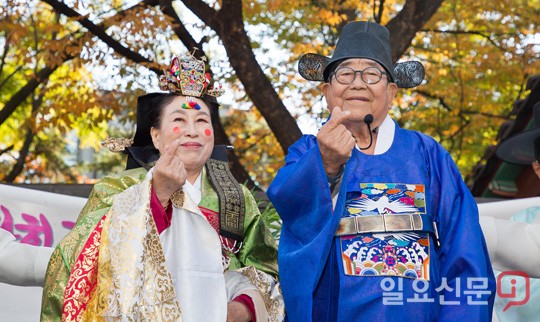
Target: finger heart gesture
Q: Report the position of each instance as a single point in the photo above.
(169, 173)
(336, 142)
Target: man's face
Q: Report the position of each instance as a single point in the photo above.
(358, 97)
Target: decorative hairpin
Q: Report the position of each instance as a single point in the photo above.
(117, 144)
(187, 76)
(191, 104)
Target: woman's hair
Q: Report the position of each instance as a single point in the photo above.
(150, 109)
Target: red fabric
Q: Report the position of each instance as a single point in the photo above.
(212, 217)
(248, 302)
(162, 217)
(83, 277)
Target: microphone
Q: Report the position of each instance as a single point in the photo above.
(368, 119)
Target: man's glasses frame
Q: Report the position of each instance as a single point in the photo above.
(346, 75)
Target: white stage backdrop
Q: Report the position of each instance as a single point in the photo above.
(43, 219)
(37, 218)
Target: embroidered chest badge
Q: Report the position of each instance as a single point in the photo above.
(373, 251)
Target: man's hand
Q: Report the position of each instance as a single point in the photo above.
(237, 312)
(169, 173)
(335, 142)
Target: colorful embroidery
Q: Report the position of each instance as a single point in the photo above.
(83, 278)
(228, 245)
(232, 205)
(403, 254)
(133, 283)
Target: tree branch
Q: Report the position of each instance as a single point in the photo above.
(503, 117)
(28, 89)
(467, 32)
(202, 10)
(99, 31)
(23, 153)
(7, 41)
(228, 23)
(254, 144)
(9, 148)
(378, 11)
(33, 83)
(403, 27)
(180, 29)
(21, 161)
(440, 99)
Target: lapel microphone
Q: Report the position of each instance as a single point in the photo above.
(368, 119)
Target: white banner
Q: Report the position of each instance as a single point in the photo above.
(36, 218)
(507, 208)
(43, 219)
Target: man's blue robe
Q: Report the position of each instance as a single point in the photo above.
(348, 278)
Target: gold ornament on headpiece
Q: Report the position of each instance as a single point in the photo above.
(187, 76)
(117, 144)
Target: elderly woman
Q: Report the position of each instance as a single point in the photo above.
(173, 238)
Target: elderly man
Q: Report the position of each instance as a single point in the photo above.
(377, 222)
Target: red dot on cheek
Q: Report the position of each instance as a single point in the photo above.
(207, 132)
(176, 129)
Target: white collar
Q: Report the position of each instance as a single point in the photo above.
(385, 135)
(194, 190)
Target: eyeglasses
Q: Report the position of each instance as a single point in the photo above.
(347, 75)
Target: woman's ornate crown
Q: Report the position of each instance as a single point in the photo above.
(187, 76)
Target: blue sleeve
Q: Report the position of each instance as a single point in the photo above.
(300, 189)
(463, 255)
(302, 198)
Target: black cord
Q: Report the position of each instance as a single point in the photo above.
(368, 119)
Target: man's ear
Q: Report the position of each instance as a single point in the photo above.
(325, 90)
(154, 133)
(392, 91)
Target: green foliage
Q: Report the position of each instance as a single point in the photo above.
(253, 140)
(272, 221)
(478, 56)
(70, 100)
(268, 213)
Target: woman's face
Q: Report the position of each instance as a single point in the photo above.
(358, 97)
(193, 128)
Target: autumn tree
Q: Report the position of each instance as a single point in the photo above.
(476, 57)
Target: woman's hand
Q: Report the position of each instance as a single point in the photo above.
(169, 173)
(335, 142)
(237, 312)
